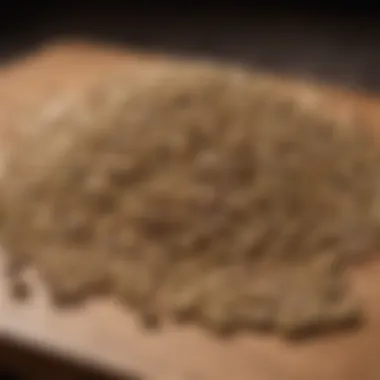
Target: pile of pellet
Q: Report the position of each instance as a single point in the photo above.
(195, 192)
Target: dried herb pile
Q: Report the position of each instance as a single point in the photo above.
(195, 192)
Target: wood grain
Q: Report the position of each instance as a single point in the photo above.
(101, 333)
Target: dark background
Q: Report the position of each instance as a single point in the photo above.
(339, 47)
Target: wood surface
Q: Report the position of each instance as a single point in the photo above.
(104, 334)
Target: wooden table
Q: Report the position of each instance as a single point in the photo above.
(100, 333)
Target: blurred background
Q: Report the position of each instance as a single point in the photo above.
(334, 46)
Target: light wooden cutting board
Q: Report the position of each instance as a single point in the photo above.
(103, 333)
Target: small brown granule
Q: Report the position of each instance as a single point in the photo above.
(20, 289)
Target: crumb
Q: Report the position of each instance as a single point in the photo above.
(20, 290)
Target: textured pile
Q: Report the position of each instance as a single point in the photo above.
(194, 192)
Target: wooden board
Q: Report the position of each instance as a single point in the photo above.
(102, 333)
